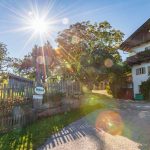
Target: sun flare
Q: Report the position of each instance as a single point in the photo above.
(38, 25)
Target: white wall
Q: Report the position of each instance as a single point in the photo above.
(138, 79)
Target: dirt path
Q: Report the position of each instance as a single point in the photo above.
(82, 134)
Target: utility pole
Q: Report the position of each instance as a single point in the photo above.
(42, 60)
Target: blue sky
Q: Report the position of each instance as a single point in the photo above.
(125, 15)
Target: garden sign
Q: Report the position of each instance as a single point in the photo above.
(39, 90)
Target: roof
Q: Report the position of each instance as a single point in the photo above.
(17, 77)
(140, 36)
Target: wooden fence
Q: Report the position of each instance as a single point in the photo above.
(67, 87)
(14, 92)
(10, 122)
(12, 97)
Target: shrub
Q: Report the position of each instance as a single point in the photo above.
(145, 89)
(7, 105)
(114, 85)
(57, 96)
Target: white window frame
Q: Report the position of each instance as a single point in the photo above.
(140, 71)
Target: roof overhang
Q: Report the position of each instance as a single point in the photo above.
(140, 36)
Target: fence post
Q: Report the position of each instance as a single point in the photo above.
(1, 87)
(4, 91)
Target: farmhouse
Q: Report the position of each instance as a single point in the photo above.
(138, 45)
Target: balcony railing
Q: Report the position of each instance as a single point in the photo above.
(139, 58)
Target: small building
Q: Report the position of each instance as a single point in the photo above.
(12, 80)
(138, 45)
(126, 87)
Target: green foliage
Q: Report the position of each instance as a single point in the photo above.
(3, 51)
(145, 89)
(117, 77)
(114, 85)
(54, 96)
(6, 106)
(93, 66)
(85, 47)
(5, 61)
(24, 67)
(38, 58)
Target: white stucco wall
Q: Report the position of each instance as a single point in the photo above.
(138, 79)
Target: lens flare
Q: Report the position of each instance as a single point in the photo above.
(40, 60)
(108, 63)
(58, 52)
(110, 122)
(30, 13)
(65, 21)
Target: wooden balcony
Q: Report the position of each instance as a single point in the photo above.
(139, 58)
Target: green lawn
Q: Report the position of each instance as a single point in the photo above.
(35, 134)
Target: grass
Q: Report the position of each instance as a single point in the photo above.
(34, 135)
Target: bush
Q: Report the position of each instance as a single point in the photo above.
(114, 85)
(145, 89)
(7, 105)
(57, 96)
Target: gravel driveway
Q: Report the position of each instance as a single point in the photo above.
(83, 135)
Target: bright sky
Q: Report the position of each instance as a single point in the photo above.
(125, 15)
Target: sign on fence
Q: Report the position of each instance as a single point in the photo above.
(39, 90)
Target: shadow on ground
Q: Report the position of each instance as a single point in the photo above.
(75, 131)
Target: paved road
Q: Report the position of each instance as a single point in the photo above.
(84, 134)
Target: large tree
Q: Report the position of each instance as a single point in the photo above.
(36, 64)
(89, 51)
(24, 67)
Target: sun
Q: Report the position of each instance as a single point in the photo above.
(38, 25)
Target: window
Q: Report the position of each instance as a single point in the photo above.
(148, 70)
(147, 48)
(140, 71)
